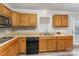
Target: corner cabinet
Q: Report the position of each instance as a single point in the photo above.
(10, 48)
(60, 21)
(5, 53)
(5, 11)
(15, 17)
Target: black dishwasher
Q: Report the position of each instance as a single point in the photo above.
(32, 45)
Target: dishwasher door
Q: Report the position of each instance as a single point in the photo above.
(32, 44)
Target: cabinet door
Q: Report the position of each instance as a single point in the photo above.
(60, 44)
(17, 47)
(15, 19)
(22, 45)
(5, 53)
(64, 20)
(42, 45)
(12, 50)
(51, 44)
(33, 19)
(25, 20)
(69, 42)
(57, 21)
(5, 10)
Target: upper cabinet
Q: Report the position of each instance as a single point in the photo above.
(65, 21)
(24, 19)
(15, 17)
(33, 19)
(19, 19)
(28, 20)
(60, 21)
(57, 20)
(4, 10)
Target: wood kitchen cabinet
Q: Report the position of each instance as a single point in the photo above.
(42, 44)
(57, 21)
(33, 20)
(51, 45)
(5, 53)
(13, 49)
(24, 19)
(5, 10)
(15, 17)
(19, 19)
(55, 43)
(28, 20)
(60, 43)
(60, 21)
(22, 45)
(10, 48)
(65, 21)
(17, 46)
(69, 43)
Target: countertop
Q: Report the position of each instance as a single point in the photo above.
(6, 40)
(44, 35)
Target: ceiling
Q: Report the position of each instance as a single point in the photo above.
(46, 6)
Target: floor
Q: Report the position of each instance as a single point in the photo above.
(74, 52)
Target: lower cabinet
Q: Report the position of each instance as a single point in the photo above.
(42, 44)
(51, 44)
(22, 45)
(10, 49)
(5, 53)
(56, 43)
(69, 43)
(13, 50)
(46, 44)
(60, 43)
